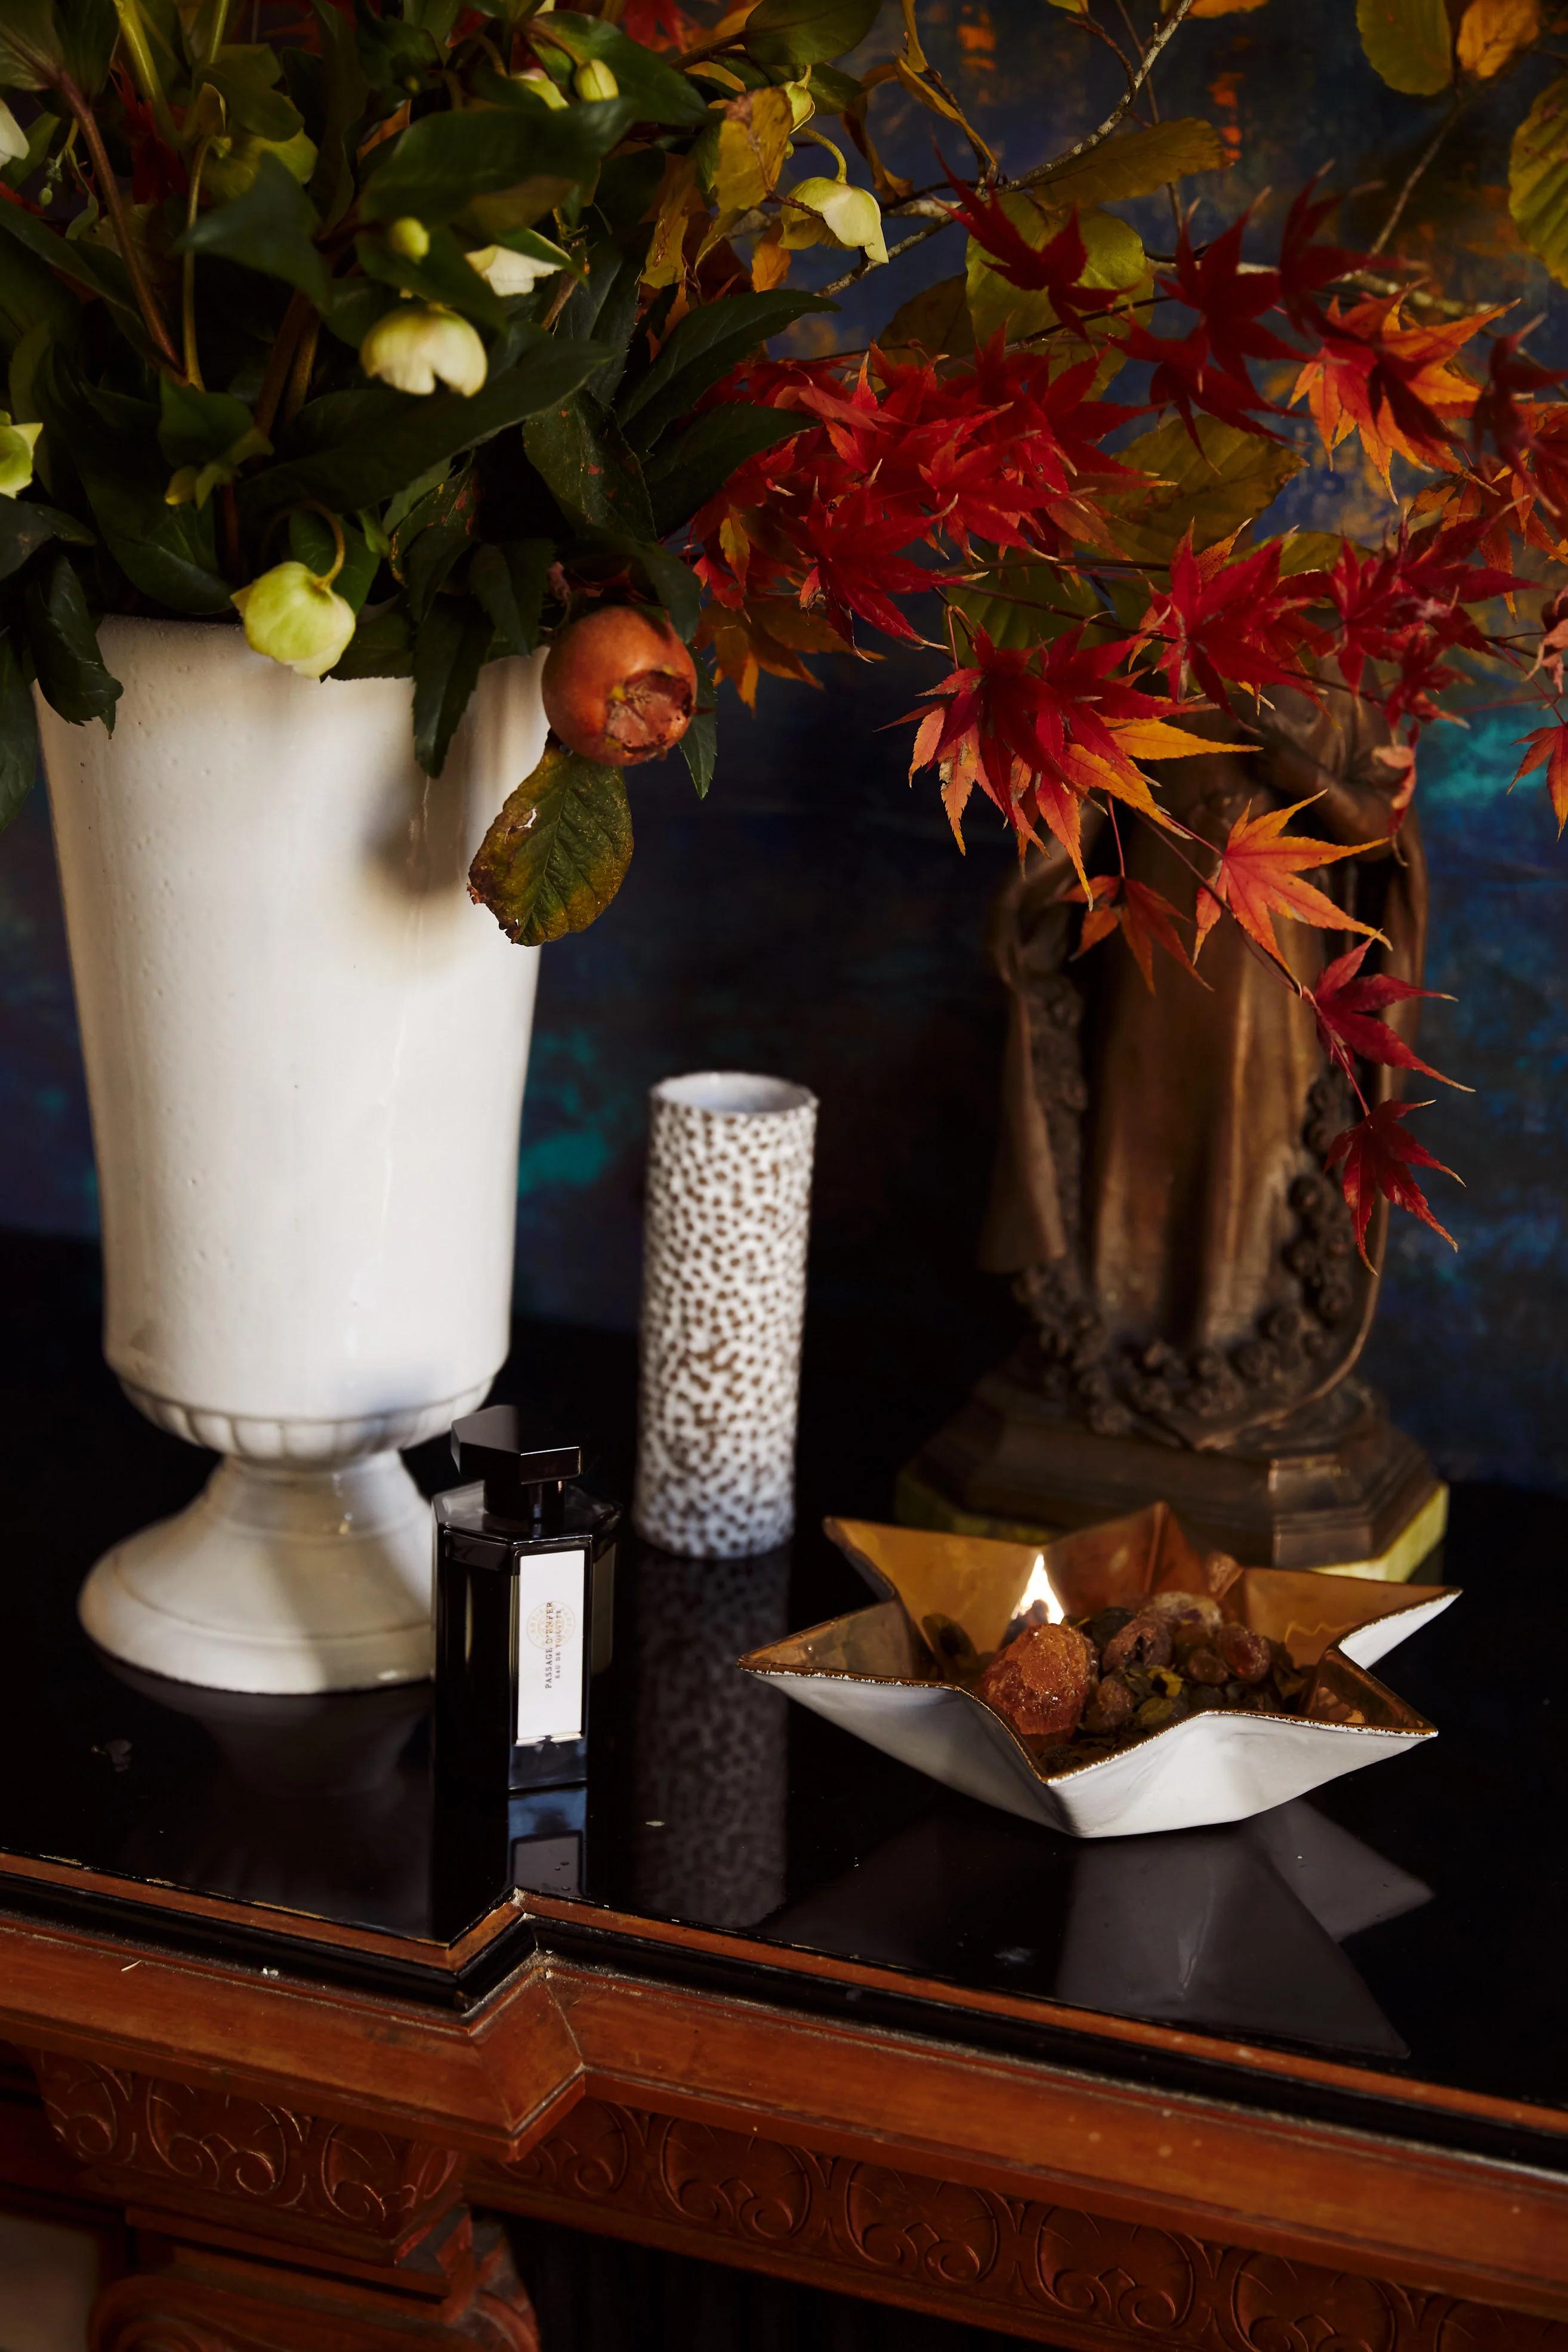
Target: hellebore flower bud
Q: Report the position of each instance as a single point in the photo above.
(505, 272)
(802, 105)
(418, 343)
(595, 80)
(851, 216)
(540, 83)
(16, 445)
(295, 618)
(409, 238)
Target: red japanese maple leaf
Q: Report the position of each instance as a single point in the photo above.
(1548, 748)
(1346, 1010)
(1305, 265)
(1259, 877)
(1231, 300)
(1405, 604)
(1374, 1158)
(1182, 374)
(855, 563)
(1524, 432)
(1234, 622)
(1055, 269)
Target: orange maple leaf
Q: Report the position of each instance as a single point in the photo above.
(1144, 917)
(1548, 747)
(1258, 876)
(1395, 386)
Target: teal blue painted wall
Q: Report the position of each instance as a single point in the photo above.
(814, 918)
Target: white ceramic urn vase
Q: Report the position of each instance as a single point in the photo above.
(305, 1051)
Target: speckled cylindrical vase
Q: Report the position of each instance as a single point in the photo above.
(729, 1187)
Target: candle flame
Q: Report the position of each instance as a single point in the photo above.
(1038, 1588)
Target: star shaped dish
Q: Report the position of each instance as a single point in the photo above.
(897, 1673)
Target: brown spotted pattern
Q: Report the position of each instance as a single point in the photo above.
(724, 1299)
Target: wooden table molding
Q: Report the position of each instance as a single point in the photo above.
(296, 2163)
(1040, 2268)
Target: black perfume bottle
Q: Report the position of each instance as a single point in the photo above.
(524, 1596)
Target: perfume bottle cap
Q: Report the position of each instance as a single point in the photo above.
(499, 1446)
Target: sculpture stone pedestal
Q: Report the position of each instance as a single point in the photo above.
(1336, 1485)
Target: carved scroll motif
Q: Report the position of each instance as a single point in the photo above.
(1043, 2270)
(200, 2149)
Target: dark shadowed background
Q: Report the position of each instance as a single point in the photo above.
(814, 918)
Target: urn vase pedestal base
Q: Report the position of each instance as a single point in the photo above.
(1335, 1487)
(281, 1578)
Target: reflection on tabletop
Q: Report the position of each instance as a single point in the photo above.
(1236, 1929)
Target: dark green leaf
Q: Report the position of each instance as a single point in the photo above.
(310, 541)
(270, 227)
(699, 749)
(510, 583)
(659, 92)
(354, 306)
(169, 552)
(31, 55)
(449, 653)
(442, 163)
(700, 460)
(31, 296)
(82, 264)
(89, 31)
(428, 559)
(338, 133)
(807, 32)
(18, 730)
(243, 75)
(25, 526)
(195, 427)
(445, 274)
(705, 346)
(393, 57)
(65, 648)
(589, 473)
(363, 468)
(380, 647)
(558, 852)
(833, 90)
(673, 582)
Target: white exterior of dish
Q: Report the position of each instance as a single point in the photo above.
(1215, 1767)
(305, 1052)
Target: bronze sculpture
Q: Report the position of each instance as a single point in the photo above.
(1196, 1300)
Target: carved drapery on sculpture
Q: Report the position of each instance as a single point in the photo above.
(1161, 1199)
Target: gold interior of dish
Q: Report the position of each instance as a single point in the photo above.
(979, 1586)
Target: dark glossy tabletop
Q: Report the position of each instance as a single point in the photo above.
(1404, 1924)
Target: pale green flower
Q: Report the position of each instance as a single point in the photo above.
(851, 216)
(505, 272)
(419, 344)
(294, 617)
(539, 82)
(410, 237)
(595, 80)
(232, 165)
(17, 443)
(13, 138)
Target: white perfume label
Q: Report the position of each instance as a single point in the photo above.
(552, 1603)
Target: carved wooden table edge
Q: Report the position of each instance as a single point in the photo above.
(315, 2158)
